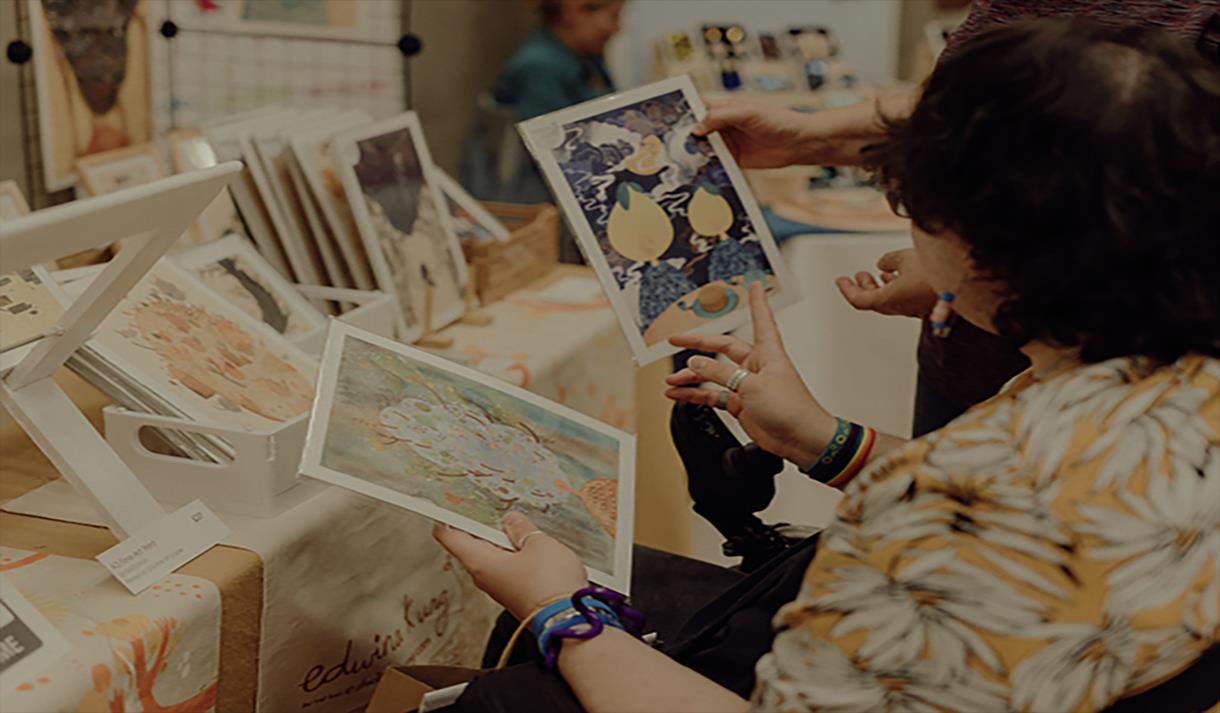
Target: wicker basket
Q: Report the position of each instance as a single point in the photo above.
(530, 252)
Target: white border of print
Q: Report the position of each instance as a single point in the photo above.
(238, 246)
(457, 194)
(311, 459)
(54, 645)
(542, 133)
(347, 154)
(304, 146)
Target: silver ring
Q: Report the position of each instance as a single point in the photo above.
(722, 402)
(736, 379)
(531, 533)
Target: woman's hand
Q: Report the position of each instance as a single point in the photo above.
(540, 570)
(772, 403)
(758, 136)
(903, 289)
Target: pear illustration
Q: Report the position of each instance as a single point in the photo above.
(709, 213)
(638, 228)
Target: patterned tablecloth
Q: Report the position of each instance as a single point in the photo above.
(349, 585)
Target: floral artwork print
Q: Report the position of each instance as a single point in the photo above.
(666, 215)
(429, 434)
(1054, 549)
(208, 358)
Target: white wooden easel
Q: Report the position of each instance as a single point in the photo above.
(148, 218)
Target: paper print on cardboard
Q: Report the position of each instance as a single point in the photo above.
(233, 268)
(91, 66)
(464, 448)
(403, 222)
(204, 356)
(663, 215)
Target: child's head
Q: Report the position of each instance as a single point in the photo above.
(585, 25)
(1063, 179)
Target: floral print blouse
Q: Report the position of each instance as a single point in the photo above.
(1054, 549)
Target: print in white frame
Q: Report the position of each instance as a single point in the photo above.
(404, 263)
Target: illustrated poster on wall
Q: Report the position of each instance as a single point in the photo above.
(92, 76)
(463, 448)
(665, 218)
(401, 214)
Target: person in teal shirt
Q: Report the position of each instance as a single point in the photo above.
(561, 63)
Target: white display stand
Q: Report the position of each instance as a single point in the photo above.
(256, 482)
(375, 311)
(261, 479)
(148, 219)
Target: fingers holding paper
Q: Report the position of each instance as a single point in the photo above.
(541, 569)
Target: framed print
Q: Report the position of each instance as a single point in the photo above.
(665, 218)
(324, 19)
(201, 356)
(92, 78)
(190, 151)
(471, 221)
(225, 140)
(400, 212)
(12, 201)
(310, 244)
(31, 644)
(462, 447)
(122, 168)
(233, 268)
(314, 152)
(306, 267)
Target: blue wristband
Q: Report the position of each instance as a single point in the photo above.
(562, 615)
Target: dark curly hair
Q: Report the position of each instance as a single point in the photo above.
(1081, 165)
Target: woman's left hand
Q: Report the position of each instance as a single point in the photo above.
(540, 570)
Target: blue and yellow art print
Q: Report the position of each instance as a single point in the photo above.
(665, 210)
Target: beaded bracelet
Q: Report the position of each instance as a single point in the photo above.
(845, 455)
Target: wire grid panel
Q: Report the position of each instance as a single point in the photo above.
(198, 75)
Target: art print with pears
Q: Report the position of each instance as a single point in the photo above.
(664, 217)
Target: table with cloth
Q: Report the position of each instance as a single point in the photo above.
(301, 611)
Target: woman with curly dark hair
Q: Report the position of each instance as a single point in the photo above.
(1056, 548)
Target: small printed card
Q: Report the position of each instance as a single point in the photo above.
(147, 556)
(29, 644)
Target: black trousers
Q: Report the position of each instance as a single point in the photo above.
(711, 619)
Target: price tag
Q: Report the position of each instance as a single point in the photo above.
(147, 556)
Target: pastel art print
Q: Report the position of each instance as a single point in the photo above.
(205, 357)
(664, 217)
(463, 448)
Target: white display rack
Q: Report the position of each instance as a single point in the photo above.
(262, 477)
(148, 219)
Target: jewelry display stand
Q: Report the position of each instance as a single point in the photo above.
(148, 218)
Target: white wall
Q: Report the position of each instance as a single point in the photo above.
(867, 29)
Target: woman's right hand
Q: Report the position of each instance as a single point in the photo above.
(771, 403)
(758, 136)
